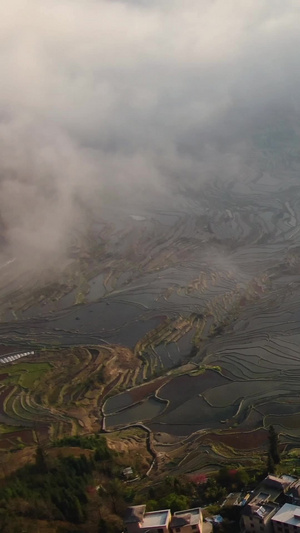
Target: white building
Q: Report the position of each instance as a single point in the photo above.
(138, 521)
(189, 521)
(287, 519)
(157, 521)
(256, 516)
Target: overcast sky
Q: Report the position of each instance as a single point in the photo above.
(116, 100)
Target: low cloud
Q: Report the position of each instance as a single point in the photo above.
(126, 101)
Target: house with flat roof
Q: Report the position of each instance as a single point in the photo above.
(257, 518)
(127, 472)
(293, 493)
(157, 521)
(278, 483)
(189, 521)
(136, 520)
(256, 515)
(272, 493)
(272, 489)
(134, 517)
(287, 519)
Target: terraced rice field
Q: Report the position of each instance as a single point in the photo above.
(193, 312)
(60, 393)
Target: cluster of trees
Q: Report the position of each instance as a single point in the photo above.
(91, 442)
(53, 489)
(56, 488)
(179, 492)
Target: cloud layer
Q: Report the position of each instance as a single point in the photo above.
(117, 101)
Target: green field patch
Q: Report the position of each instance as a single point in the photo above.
(4, 429)
(201, 369)
(26, 405)
(295, 452)
(26, 374)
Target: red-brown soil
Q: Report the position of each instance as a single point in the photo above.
(139, 393)
(241, 441)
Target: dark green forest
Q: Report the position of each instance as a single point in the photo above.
(60, 488)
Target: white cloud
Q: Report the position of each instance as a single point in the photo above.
(131, 97)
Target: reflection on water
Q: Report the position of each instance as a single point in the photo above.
(144, 411)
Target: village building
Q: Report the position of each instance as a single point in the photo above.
(189, 521)
(134, 517)
(293, 494)
(265, 502)
(256, 517)
(138, 521)
(287, 519)
(275, 487)
(127, 472)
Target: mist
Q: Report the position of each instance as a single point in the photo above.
(129, 102)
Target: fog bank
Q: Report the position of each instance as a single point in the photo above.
(111, 101)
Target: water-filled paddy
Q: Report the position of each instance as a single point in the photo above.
(191, 416)
(182, 388)
(143, 411)
(230, 257)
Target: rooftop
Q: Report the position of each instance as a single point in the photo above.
(188, 517)
(294, 490)
(290, 479)
(156, 518)
(127, 471)
(271, 488)
(280, 483)
(135, 514)
(288, 514)
(262, 497)
(262, 511)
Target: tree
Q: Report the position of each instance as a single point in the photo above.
(175, 502)
(241, 478)
(77, 511)
(270, 464)
(213, 491)
(152, 505)
(224, 478)
(40, 460)
(273, 445)
(110, 524)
